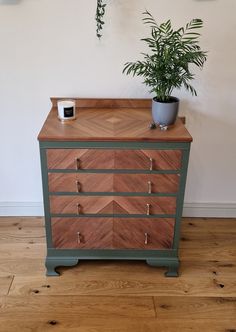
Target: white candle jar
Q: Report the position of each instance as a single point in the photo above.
(66, 110)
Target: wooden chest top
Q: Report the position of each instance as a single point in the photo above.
(110, 120)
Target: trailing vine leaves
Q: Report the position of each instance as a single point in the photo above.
(167, 65)
(100, 11)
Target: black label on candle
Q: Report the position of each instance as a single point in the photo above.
(68, 112)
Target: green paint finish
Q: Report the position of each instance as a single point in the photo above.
(180, 197)
(114, 145)
(173, 271)
(172, 264)
(130, 254)
(113, 171)
(111, 194)
(52, 263)
(54, 215)
(70, 257)
(43, 159)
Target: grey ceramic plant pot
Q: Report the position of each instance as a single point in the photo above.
(165, 113)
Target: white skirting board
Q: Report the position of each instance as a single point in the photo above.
(18, 209)
(211, 210)
(217, 210)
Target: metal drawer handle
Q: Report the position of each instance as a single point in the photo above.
(78, 186)
(149, 187)
(146, 238)
(148, 209)
(151, 164)
(78, 237)
(78, 208)
(77, 160)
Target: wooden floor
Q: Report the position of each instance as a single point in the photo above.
(112, 296)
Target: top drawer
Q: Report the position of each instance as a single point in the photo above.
(114, 159)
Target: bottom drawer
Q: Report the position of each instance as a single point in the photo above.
(112, 233)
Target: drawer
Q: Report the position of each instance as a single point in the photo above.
(69, 233)
(143, 183)
(146, 183)
(80, 159)
(112, 205)
(109, 233)
(77, 182)
(143, 233)
(114, 159)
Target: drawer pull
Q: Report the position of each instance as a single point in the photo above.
(148, 209)
(78, 186)
(78, 237)
(146, 238)
(149, 187)
(151, 164)
(77, 160)
(78, 209)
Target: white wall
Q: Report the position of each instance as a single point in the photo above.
(49, 48)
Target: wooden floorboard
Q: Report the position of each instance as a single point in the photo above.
(198, 308)
(84, 306)
(130, 284)
(62, 323)
(16, 267)
(208, 254)
(75, 323)
(118, 296)
(5, 284)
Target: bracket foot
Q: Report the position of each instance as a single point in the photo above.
(53, 262)
(172, 264)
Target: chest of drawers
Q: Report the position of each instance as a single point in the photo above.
(113, 188)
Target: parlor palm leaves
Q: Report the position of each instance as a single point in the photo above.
(166, 66)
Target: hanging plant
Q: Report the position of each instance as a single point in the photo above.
(100, 17)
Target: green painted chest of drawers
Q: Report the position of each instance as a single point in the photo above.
(113, 188)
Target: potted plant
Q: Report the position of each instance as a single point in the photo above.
(167, 65)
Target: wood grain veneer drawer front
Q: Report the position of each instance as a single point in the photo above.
(136, 183)
(80, 159)
(69, 233)
(114, 159)
(112, 205)
(109, 233)
(77, 182)
(148, 159)
(143, 233)
(146, 183)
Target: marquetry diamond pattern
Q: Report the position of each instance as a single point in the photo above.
(114, 119)
(119, 123)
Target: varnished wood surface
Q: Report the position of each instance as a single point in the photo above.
(110, 120)
(5, 284)
(159, 183)
(90, 182)
(112, 205)
(93, 234)
(113, 159)
(76, 182)
(88, 159)
(110, 103)
(143, 234)
(118, 296)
